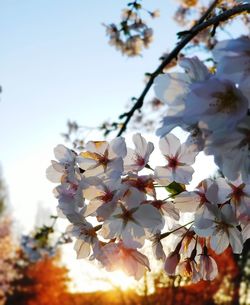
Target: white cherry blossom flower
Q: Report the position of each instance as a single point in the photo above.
(172, 262)
(223, 231)
(198, 202)
(103, 196)
(231, 151)
(103, 157)
(207, 267)
(233, 59)
(144, 183)
(216, 103)
(173, 88)
(157, 246)
(86, 237)
(65, 168)
(70, 198)
(116, 256)
(131, 223)
(138, 158)
(236, 191)
(179, 160)
(167, 208)
(189, 268)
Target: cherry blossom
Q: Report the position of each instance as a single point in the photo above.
(207, 267)
(103, 197)
(130, 224)
(189, 268)
(102, 185)
(231, 151)
(216, 104)
(116, 256)
(65, 167)
(103, 157)
(179, 160)
(138, 158)
(86, 237)
(172, 89)
(236, 191)
(234, 61)
(223, 231)
(172, 262)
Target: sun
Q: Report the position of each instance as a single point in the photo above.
(89, 277)
(120, 280)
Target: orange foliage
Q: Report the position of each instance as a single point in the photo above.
(41, 283)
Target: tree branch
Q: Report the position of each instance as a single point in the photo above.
(198, 27)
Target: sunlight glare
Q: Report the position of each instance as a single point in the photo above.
(120, 280)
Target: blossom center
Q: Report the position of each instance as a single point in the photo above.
(139, 160)
(226, 102)
(172, 162)
(237, 192)
(108, 196)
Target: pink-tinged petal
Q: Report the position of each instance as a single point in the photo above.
(236, 240)
(97, 147)
(63, 154)
(246, 231)
(187, 155)
(92, 192)
(158, 251)
(149, 217)
(132, 197)
(169, 145)
(133, 235)
(170, 210)
(183, 174)
(82, 249)
(195, 68)
(219, 241)
(163, 175)
(115, 168)
(211, 194)
(171, 263)
(140, 144)
(117, 148)
(134, 263)
(111, 228)
(228, 215)
(223, 190)
(53, 175)
(171, 88)
(86, 163)
(187, 202)
(203, 227)
(92, 207)
(208, 268)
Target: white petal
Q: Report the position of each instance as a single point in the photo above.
(236, 240)
(82, 249)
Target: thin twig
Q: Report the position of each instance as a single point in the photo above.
(184, 41)
(208, 11)
(163, 235)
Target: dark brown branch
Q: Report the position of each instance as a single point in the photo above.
(184, 41)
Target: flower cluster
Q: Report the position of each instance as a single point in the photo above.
(213, 108)
(132, 34)
(109, 194)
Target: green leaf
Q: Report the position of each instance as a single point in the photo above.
(175, 188)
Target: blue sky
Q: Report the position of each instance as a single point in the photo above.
(56, 65)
